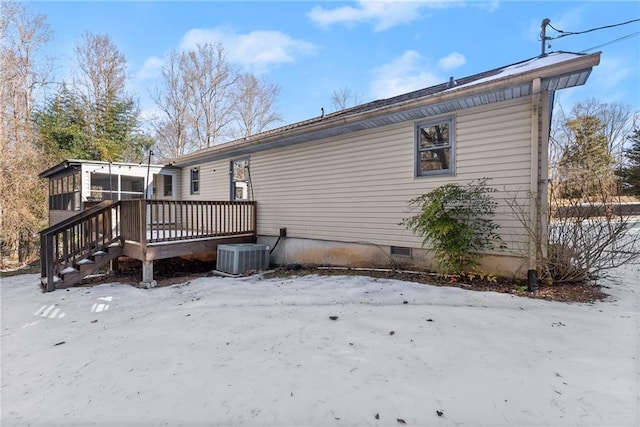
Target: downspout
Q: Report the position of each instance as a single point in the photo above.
(535, 204)
(546, 109)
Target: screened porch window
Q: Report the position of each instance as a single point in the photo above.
(64, 192)
(131, 187)
(103, 188)
(115, 187)
(435, 148)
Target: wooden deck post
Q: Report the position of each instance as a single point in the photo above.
(254, 224)
(49, 254)
(147, 275)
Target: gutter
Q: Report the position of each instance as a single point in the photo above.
(583, 63)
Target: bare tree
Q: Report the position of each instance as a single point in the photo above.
(22, 195)
(585, 238)
(172, 99)
(588, 232)
(210, 79)
(254, 105)
(616, 119)
(111, 114)
(203, 101)
(102, 69)
(345, 98)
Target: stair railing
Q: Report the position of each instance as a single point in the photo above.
(75, 238)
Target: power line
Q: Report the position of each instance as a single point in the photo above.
(612, 41)
(573, 33)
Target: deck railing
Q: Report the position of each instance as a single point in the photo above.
(63, 244)
(146, 222)
(156, 221)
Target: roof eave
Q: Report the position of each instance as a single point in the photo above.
(569, 73)
(69, 163)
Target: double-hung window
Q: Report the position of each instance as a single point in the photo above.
(435, 147)
(195, 181)
(167, 185)
(240, 179)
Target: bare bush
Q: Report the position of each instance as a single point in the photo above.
(585, 237)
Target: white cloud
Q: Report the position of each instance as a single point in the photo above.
(403, 74)
(411, 71)
(346, 14)
(151, 68)
(489, 6)
(193, 38)
(383, 14)
(257, 50)
(451, 61)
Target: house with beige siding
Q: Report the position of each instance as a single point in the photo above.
(333, 190)
(338, 185)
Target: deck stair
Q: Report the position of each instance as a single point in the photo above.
(141, 229)
(79, 246)
(72, 275)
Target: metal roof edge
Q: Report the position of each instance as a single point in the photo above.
(267, 139)
(67, 163)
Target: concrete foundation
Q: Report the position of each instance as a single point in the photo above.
(292, 250)
(147, 275)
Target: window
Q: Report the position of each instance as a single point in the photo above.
(240, 179)
(167, 185)
(104, 186)
(131, 187)
(435, 148)
(64, 192)
(195, 181)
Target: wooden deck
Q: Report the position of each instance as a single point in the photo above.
(157, 229)
(145, 230)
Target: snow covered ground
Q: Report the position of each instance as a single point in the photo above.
(221, 351)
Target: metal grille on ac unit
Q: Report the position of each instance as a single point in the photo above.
(243, 257)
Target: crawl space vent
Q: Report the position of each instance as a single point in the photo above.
(240, 258)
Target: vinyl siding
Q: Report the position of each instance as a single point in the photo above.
(214, 181)
(355, 188)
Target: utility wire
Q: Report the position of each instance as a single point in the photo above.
(572, 33)
(611, 42)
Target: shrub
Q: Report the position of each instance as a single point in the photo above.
(457, 222)
(585, 237)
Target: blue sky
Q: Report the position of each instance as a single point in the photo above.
(377, 49)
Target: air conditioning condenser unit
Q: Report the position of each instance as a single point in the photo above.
(242, 257)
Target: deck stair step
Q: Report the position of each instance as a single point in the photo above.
(73, 248)
(69, 270)
(69, 273)
(85, 265)
(98, 256)
(114, 251)
(56, 279)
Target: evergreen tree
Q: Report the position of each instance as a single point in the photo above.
(630, 173)
(62, 128)
(586, 164)
(65, 132)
